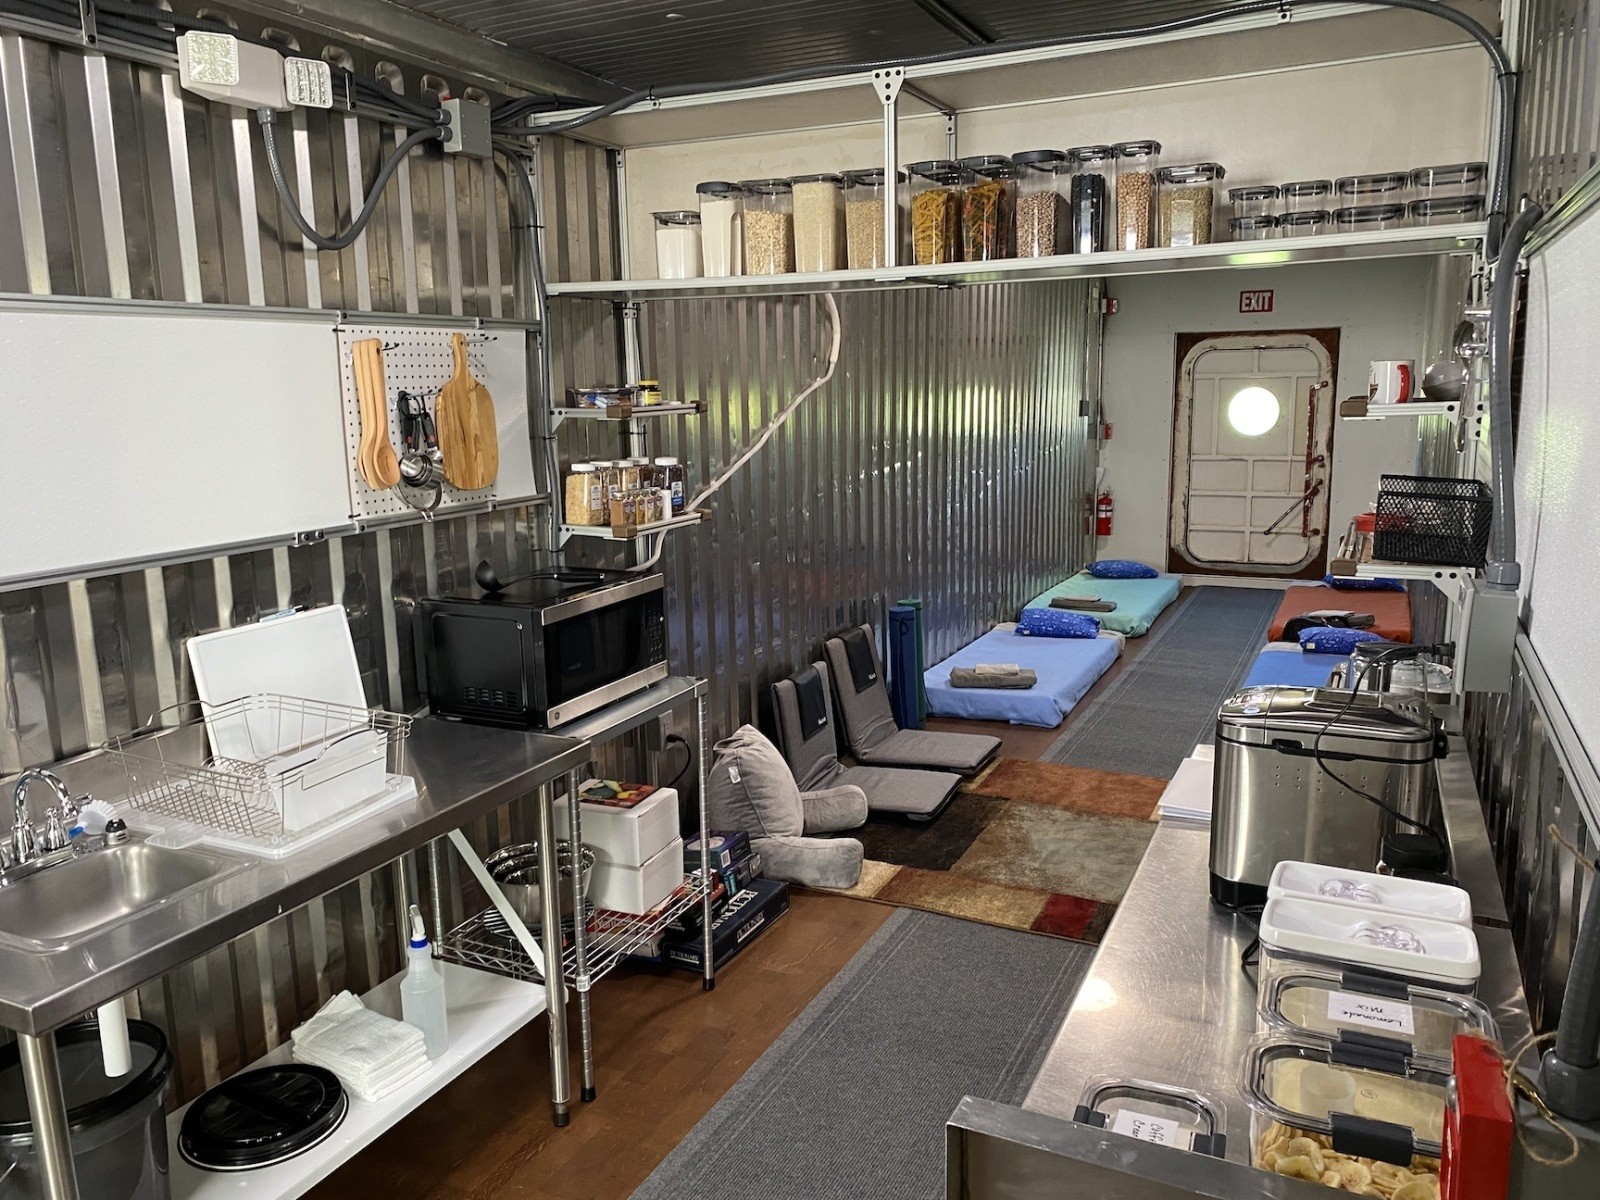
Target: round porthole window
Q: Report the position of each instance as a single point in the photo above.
(1253, 411)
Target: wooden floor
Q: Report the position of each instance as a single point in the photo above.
(666, 1052)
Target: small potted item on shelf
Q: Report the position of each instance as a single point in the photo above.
(768, 226)
(1041, 203)
(936, 189)
(677, 244)
(1093, 170)
(1135, 223)
(988, 208)
(1185, 203)
(721, 228)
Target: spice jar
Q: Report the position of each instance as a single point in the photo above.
(1041, 207)
(1252, 229)
(1256, 201)
(1187, 196)
(818, 222)
(1093, 169)
(988, 208)
(936, 187)
(610, 481)
(1306, 195)
(866, 197)
(669, 478)
(1458, 179)
(1136, 194)
(768, 226)
(647, 393)
(585, 505)
(1355, 191)
(677, 245)
(721, 228)
(1368, 218)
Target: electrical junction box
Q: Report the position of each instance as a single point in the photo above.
(219, 66)
(1486, 639)
(468, 131)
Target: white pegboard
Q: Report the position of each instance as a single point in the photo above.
(419, 360)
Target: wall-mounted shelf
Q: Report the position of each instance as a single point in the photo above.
(626, 533)
(1357, 409)
(1333, 247)
(624, 412)
(1448, 580)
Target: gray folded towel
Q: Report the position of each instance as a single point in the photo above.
(966, 677)
(1083, 603)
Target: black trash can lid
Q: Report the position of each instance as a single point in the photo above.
(92, 1098)
(262, 1117)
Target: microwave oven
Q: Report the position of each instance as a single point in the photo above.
(545, 650)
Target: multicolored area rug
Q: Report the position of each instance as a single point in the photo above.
(1027, 845)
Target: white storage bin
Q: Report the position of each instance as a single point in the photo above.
(1364, 889)
(1388, 945)
(637, 889)
(627, 836)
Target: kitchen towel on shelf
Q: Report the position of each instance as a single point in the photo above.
(373, 1055)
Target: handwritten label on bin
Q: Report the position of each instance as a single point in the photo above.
(1146, 1128)
(1390, 1015)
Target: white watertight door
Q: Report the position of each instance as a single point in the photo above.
(1252, 442)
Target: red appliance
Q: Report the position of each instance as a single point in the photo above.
(1478, 1124)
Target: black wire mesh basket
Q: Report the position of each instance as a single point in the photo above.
(1424, 519)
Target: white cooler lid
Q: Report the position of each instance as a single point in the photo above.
(1366, 889)
(1392, 943)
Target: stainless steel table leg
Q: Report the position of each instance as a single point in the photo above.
(580, 944)
(555, 988)
(708, 969)
(47, 1108)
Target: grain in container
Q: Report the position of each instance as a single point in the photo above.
(866, 201)
(585, 503)
(721, 228)
(1369, 890)
(1253, 229)
(1093, 174)
(1358, 1114)
(768, 226)
(1306, 195)
(1155, 1112)
(818, 222)
(677, 244)
(1457, 179)
(1446, 210)
(1185, 199)
(1304, 223)
(1135, 220)
(936, 189)
(1393, 946)
(1257, 200)
(988, 208)
(1386, 187)
(1042, 202)
(1368, 218)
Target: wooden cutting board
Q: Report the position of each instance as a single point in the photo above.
(376, 457)
(468, 437)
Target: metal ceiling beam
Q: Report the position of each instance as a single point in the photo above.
(956, 22)
(381, 25)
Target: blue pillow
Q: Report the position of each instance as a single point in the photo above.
(1121, 568)
(1057, 623)
(1345, 583)
(1331, 640)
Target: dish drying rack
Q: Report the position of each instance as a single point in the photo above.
(295, 771)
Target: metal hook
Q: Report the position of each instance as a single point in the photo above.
(483, 337)
(387, 346)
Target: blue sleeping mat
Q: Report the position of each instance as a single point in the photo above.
(1067, 668)
(1285, 664)
(1139, 601)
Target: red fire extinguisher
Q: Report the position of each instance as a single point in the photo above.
(1102, 514)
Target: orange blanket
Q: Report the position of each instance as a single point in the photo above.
(1392, 609)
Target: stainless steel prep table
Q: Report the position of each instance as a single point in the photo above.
(463, 772)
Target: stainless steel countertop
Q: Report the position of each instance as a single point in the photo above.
(462, 771)
(1166, 1001)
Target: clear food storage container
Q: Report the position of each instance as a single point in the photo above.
(1155, 1112)
(1042, 203)
(866, 198)
(1253, 229)
(1457, 179)
(1394, 946)
(1387, 187)
(1446, 210)
(1254, 201)
(1321, 1004)
(677, 244)
(1304, 223)
(1306, 195)
(1094, 170)
(721, 229)
(936, 189)
(818, 222)
(768, 226)
(988, 208)
(1368, 218)
(1358, 1114)
(1366, 889)
(1185, 200)
(1135, 223)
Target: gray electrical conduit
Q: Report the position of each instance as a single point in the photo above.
(1572, 1067)
(1503, 571)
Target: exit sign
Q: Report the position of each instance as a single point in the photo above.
(1255, 302)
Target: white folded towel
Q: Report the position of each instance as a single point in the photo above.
(370, 1053)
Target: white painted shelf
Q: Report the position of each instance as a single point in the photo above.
(485, 1010)
(1278, 252)
(1359, 410)
(626, 533)
(1393, 570)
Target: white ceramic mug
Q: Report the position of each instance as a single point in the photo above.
(1390, 382)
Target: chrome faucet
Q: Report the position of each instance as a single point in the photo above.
(25, 845)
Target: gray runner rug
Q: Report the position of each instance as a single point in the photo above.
(1151, 717)
(852, 1098)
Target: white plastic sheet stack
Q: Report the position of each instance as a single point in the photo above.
(1188, 796)
(373, 1055)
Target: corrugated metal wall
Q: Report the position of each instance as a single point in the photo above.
(1558, 129)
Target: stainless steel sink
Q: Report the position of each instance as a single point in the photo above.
(53, 907)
